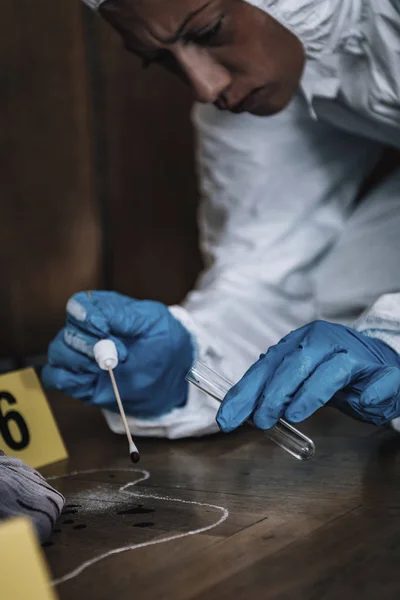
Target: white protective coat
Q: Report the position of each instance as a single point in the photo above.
(283, 238)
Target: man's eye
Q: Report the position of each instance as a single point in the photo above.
(207, 36)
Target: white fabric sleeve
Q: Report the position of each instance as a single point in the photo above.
(382, 321)
(195, 419)
(275, 195)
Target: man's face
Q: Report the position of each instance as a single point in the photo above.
(231, 53)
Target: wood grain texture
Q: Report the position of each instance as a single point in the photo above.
(48, 227)
(96, 169)
(323, 529)
(147, 138)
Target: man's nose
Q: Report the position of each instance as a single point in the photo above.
(208, 78)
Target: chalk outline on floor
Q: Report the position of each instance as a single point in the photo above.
(145, 476)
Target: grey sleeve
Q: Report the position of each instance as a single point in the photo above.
(24, 491)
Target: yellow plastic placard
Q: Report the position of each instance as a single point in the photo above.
(23, 571)
(27, 426)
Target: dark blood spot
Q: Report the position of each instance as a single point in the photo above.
(69, 512)
(57, 531)
(137, 510)
(68, 522)
(144, 524)
(47, 544)
(81, 526)
(112, 476)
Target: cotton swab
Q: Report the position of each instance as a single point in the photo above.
(106, 355)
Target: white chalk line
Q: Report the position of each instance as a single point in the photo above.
(145, 475)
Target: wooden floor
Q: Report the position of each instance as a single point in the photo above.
(324, 529)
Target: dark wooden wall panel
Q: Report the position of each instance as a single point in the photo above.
(49, 229)
(96, 169)
(97, 181)
(151, 182)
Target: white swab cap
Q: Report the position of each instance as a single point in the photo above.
(106, 355)
(94, 4)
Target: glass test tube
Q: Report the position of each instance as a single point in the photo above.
(283, 434)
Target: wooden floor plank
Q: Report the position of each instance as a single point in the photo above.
(321, 529)
(356, 556)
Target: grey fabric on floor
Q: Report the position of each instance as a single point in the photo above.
(23, 491)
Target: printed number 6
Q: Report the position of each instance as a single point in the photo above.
(13, 416)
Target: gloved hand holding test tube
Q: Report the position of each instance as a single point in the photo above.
(283, 434)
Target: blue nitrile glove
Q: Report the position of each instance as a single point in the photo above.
(155, 352)
(311, 366)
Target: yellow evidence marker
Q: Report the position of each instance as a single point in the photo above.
(27, 427)
(23, 570)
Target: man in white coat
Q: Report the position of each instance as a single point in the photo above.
(297, 100)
